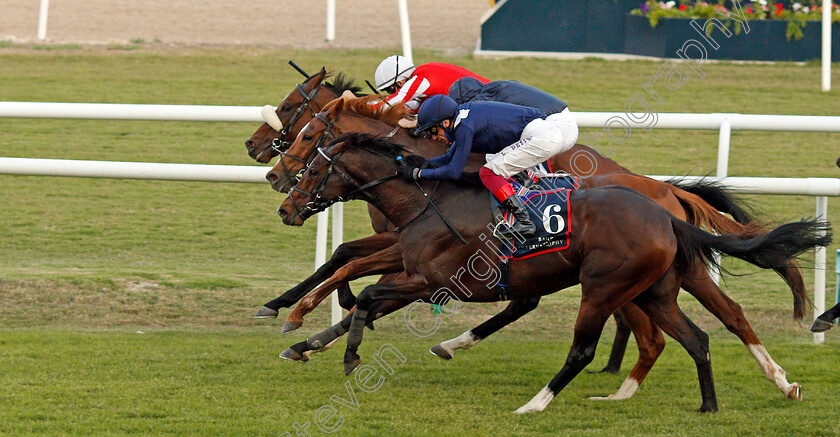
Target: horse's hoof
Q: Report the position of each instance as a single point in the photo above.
(349, 367)
(291, 355)
(290, 326)
(371, 327)
(265, 313)
(707, 409)
(441, 352)
(795, 392)
(821, 325)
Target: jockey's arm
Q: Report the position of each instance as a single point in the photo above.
(459, 152)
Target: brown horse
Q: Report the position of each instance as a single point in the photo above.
(613, 266)
(306, 100)
(388, 261)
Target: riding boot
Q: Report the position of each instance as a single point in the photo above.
(523, 226)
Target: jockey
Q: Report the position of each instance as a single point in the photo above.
(405, 83)
(468, 89)
(515, 138)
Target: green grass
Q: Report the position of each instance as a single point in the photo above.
(85, 263)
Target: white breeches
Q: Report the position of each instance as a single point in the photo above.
(541, 139)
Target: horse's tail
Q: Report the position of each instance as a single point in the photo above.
(700, 213)
(716, 196)
(771, 250)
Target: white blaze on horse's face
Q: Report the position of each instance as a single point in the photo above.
(270, 117)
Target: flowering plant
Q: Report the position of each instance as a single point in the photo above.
(796, 13)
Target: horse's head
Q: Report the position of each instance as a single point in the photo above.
(347, 168)
(283, 124)
(339, 116)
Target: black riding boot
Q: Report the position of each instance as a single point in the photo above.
(523, 226)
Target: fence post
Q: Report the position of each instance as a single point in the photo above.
(722, 170)
(42, 19)
(405, 30)
(337, 239)
(837, 281)
(819, 269)
(330, 21)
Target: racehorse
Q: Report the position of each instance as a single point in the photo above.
(605, 256)
(390, 261)
(267, 142)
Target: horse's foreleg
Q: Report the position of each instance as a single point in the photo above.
(388, 260)
(515, 309)
(825, 320)
(342, 255)
(700, 285)
(404, 289)
(327, 338)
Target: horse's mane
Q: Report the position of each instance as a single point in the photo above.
(342, 83)
(363, 106)
(371, 143)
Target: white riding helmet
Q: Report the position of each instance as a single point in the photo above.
(392, 69)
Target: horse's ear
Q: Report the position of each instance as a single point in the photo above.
(339, 106)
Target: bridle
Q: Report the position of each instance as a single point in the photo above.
(316, 204)
(328, 130)
(280, 143)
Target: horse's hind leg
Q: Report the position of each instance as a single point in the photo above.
(698, 283)
(650, 342)
(660, 303)
(515, 309)
(825, 320)
(622, 335)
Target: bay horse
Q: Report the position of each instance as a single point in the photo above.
(389, 260)
(605, 256)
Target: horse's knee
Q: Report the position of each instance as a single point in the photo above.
(342, 254)
(528, 305)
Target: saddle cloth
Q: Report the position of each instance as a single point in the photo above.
(546, 197)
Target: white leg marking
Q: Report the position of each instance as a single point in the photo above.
(463, 341)
(626, 391)
(538, 402)
(774, 372)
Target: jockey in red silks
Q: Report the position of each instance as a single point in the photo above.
(408, 84)
(514, 138)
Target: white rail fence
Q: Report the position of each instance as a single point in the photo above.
(821, 188)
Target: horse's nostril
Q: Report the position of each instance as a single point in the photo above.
(271, 177)
(250, 144)
(282, 212)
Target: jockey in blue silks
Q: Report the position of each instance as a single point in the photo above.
(514, 138)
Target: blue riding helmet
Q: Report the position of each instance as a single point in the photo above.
(434, 110)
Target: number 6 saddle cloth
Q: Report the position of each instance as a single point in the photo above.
(546, 197)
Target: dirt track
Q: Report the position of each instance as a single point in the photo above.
(452, 26)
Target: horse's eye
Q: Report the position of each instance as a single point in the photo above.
(313, 172)
(307, 138)
(286, 108)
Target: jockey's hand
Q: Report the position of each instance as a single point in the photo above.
(407, 171)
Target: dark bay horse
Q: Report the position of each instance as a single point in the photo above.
(648, 337)
(613, 266)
